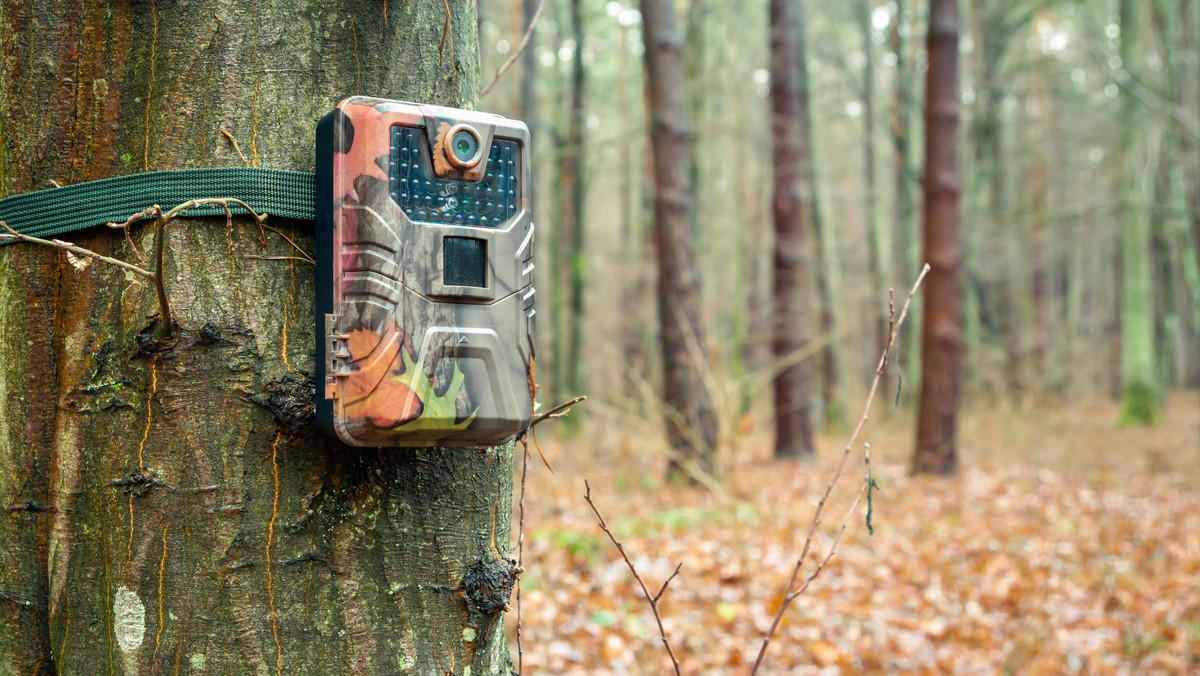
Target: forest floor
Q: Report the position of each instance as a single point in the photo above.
(1065, 545)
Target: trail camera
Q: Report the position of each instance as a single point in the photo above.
(424, 275)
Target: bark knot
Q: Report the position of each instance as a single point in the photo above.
(291, 399)
(488, 585)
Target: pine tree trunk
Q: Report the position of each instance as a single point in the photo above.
(175, 512)
(690, 415)
(793, 383)
(937, 416)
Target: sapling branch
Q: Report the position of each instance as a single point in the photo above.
(791, 592)
(652, 600)
(516, 53)
(11, 234)
(558, 411)
(166, 326)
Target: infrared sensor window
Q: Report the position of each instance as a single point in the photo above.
(464, 262)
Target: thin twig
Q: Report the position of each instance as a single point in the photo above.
(278, 258)
(166, 327)
(77, 250)
(521, 544)
(235, 147)
(558, 411)
(652, 600)
(445, 32)
(520, 48)
(791, 591)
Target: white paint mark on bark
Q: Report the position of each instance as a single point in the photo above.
(129, 626)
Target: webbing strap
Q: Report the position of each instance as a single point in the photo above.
(45, 213)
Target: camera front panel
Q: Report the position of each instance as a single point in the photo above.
(424, 275)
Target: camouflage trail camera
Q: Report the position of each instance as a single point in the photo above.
(424, 275)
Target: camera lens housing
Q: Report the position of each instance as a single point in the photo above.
(463, 148)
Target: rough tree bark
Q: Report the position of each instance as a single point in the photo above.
(793, 382)
(174, 512)
(935, 451)
(690, 415)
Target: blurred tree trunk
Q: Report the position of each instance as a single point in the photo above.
(695, 83)
(877, 243)
(936, 451)
(687, 402)
(826, 270)
(571, 225)
(905, 239)
(529, 70)
(1139, 373)
(793, 383)
(1192, 41)
(176, 510)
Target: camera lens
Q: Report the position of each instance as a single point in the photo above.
(463, 147)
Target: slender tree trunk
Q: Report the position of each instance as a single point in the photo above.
(937, 417)
(907, 251)
(572, 225)
(176, 511)
(877, 243)
(1139, 373)
(696, 83)
(826, 269)
(529, 108)
(690, 415)
(793, 396)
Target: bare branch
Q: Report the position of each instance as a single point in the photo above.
(558, 411)
(667, 582)
(278, 258)
(232, 140)
(517, 53)
(77, 250)
(653, 601)
(166, 327)
(791, 591)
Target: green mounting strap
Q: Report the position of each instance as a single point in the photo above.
(45, 213)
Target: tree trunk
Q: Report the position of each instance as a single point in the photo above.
(905, 239)
(176, 509)
(793, 396)
(571, 224)
(1139, 373)
(877, 243)
(690, 415)
(935, 451)
(826, 272)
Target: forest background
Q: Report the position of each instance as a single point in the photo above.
(1078, 139)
